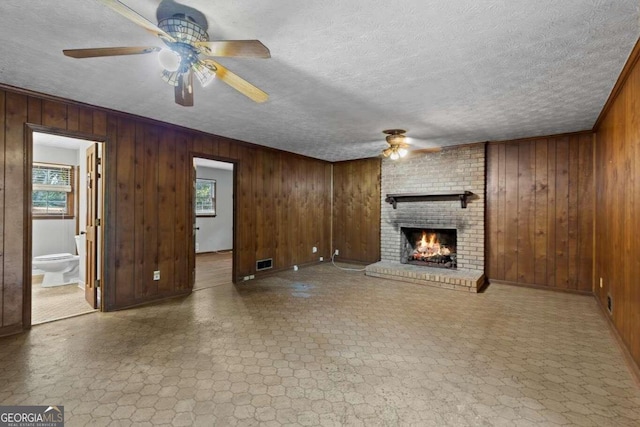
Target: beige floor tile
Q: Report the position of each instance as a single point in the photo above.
(322, 347)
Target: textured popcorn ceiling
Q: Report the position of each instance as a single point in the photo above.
(449, 71)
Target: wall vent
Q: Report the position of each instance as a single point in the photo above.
(264, 264)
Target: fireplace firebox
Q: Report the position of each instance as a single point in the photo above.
(429, 247)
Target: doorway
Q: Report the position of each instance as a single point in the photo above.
(65, 235)
(213, 202)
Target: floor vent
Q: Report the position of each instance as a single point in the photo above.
(264, 264)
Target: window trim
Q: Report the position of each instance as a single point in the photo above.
(71, 195)
(214, 198)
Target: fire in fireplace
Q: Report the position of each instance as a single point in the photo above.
(429, 247)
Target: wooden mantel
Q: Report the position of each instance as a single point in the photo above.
(394, 199)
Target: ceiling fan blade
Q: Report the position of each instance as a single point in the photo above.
(109, 51)
(428, 150)
(423, 145)
(135, 17)
(242, 48)
(184, 89)
(238, 83)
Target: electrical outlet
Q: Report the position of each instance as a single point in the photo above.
(252, 276)
(601, 282)
(314, 249)
(336, 252)
(245, 278)
(321, 258)
(295, 268)
(156, 275)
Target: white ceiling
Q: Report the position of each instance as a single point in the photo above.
(58, 141)
(448, 71)
(213, 164)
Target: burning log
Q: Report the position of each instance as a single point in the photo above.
(430, 252)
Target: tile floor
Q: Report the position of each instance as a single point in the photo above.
(325, 347)
(59, 302)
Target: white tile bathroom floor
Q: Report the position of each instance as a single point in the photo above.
(59, 302)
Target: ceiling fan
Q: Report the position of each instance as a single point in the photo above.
(399, 144)
(188, 51)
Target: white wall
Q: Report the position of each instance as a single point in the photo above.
(216, 234)
(52, 236)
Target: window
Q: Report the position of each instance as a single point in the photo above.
(205, 197)
(52, 195)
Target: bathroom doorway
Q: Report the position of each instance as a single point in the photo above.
(66, 194)
(213, 222)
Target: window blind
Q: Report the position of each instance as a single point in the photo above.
(46, 177)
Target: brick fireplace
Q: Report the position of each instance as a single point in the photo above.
(453, 171)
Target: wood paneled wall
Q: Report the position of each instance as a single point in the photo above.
(282, 201)
(539, 227)
(356, 210)
(617, 259)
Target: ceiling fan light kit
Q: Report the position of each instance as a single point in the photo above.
(398, 146)
(188, 53)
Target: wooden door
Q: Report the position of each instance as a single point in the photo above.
(192, 243)
(93, 222)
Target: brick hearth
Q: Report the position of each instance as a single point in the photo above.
(459, 280)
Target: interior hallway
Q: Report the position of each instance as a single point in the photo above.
(326, 347)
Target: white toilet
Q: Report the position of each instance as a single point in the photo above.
(59, 269)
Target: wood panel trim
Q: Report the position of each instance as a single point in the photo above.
(76, 187)
(28, 233)
(622, 79)
(534, 138)
(449, 147)
(594, 228)
(537, 286)
(634, 368)
(10, 330)
(273, 271)
(154, 300)
(63, 132)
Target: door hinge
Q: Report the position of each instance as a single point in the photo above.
(99, 160)
(97, 283)
(98, 222)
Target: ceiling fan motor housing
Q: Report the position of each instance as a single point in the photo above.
(395, 137)
(187, 33)
(184, 29)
